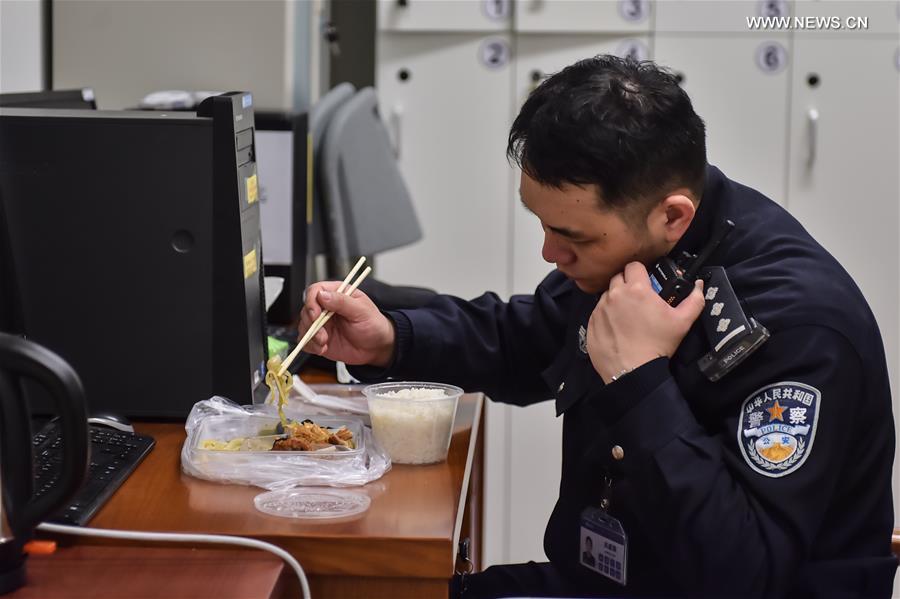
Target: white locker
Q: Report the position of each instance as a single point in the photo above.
(448, 107)
(850, 18)
(588, 16)
(534, 452)
(538, 56)
(716, 16)
(739, 87)
(446, 98)
(535, 463)
(844, 157)
(444, 15)
(844, 182)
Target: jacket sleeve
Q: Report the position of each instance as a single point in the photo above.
(484, 344)
(692, 488)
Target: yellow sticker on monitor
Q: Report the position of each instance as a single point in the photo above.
(250, 264)
(252, 190)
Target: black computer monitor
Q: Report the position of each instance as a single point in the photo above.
(281, 155)
(132, 244)
(73, 99)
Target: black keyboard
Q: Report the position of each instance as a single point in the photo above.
(114, 455)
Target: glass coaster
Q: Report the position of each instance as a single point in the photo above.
(317, 504)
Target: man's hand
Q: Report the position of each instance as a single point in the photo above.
(631, 325)
(358, 333)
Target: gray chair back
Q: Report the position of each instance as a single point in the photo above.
(319, 117)
(367, 203)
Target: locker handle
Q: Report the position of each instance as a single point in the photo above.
(396, 128)
(812, 118)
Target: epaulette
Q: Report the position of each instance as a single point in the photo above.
(732, 335)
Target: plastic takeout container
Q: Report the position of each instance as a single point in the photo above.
(259, 428)
(413, 430)
(220, 419)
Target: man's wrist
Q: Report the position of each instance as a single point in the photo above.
(623, 368)
(627, 392)
(616, 377)
(385, 355)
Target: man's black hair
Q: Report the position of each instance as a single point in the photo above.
(617, 123)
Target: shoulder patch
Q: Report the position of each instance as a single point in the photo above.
(777, 427)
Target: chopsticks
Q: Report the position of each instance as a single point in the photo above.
(326, 316)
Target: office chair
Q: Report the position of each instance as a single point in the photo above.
(367, 205)
(320, 116)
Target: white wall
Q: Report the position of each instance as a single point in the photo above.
(127, 49)
(21, 54)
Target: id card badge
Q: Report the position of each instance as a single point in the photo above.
(604, 546)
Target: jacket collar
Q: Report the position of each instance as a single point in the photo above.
(711, 213)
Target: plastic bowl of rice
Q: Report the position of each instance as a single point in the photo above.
(413, 421)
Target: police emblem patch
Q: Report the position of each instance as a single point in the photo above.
(777, 427)
(582, 339)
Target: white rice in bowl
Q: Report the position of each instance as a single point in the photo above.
(413, 424)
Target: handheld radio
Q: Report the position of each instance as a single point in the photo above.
(674, 280)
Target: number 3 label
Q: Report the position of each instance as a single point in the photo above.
(634, 10)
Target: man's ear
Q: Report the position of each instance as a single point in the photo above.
(671, 217)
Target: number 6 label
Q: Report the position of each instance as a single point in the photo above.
(771, 57)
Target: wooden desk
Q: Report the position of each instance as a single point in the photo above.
(144, 572)
(403, 546)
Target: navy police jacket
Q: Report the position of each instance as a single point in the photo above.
(774, 480)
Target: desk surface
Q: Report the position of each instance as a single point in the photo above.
(410, 530)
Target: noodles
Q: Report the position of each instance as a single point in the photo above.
(278, 386)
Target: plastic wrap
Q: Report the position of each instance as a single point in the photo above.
(275, 469)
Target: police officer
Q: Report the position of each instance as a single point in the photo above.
(773, 479)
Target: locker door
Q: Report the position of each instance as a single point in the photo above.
(445, 97)
(535, 433)
(722, 16)
(853, 18)
(598, 16)
(739, 87)
(844, 157)
(537, 57)
(444, 15)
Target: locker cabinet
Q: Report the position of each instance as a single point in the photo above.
(443, 15)
(739, 86)
(445, 98)
(597, 16)
(719, 16)
(827, 151)
(881, 17)
(538, 56)
(535, 433)
(844, 157)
